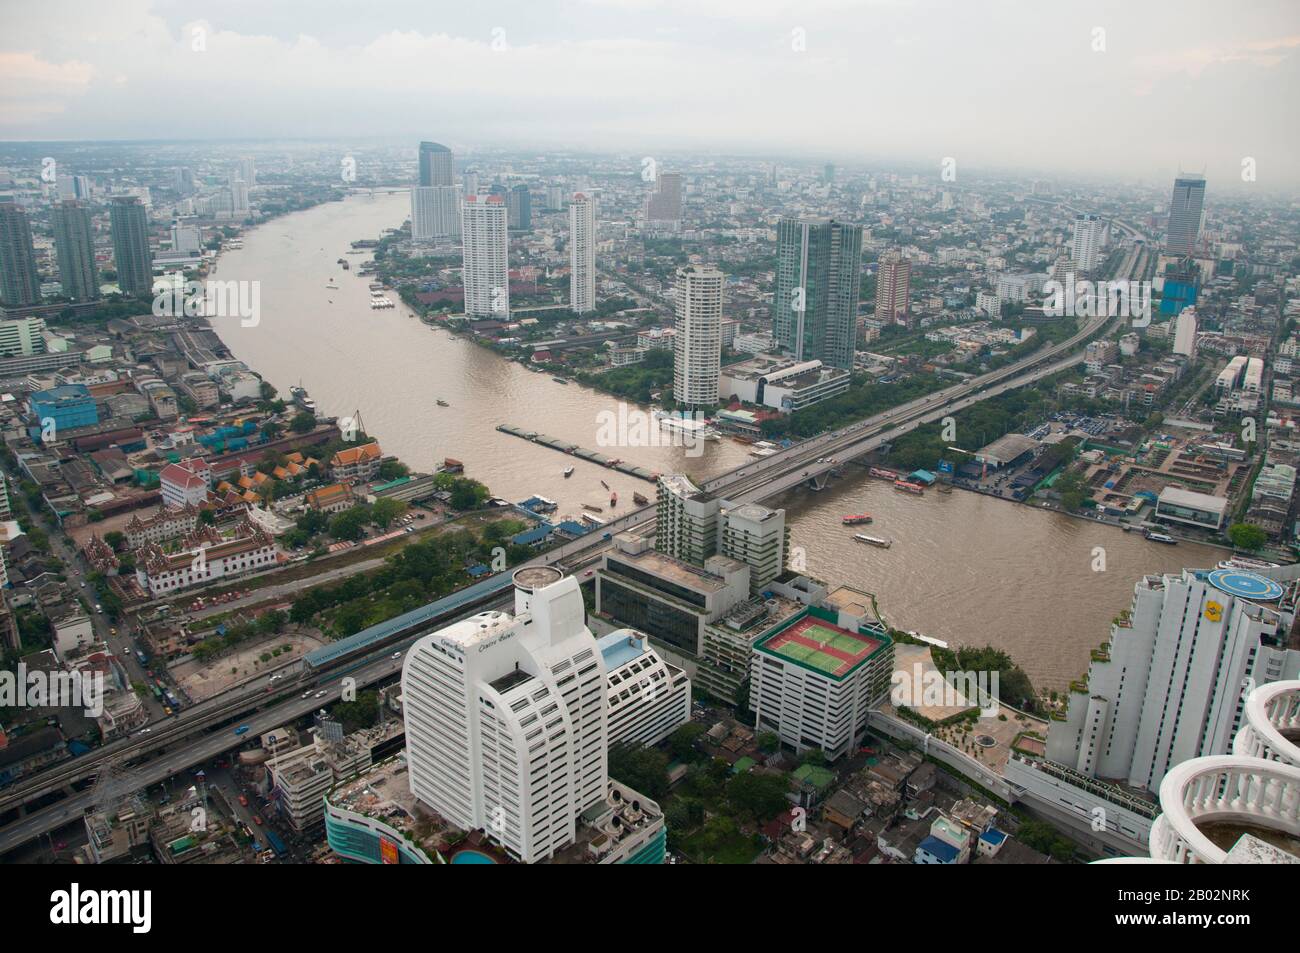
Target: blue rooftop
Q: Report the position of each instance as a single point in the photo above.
(529, 537)
(940, 849)
(993, 836)
(620, 647)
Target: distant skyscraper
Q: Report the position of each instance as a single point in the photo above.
(435, 212)
(582, 254)
(1185, 332)
(239, 203)
(697, 346)
(519, 202)
(1185, 207)
(131, 254)
(247, 171)
(507, 718)
(436, 164)
(664, 206)
(893, 289)
(471, 183)
(1086, 249)
(828, 173)
(75, 244)
(814, 309)
(183, 180)
(485, 239)
(19, 283)
(555, 198)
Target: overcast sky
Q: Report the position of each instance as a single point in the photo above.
(1135, 89)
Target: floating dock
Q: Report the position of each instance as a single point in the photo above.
(582, 453)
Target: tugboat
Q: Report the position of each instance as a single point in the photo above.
(640, 499)
(443, 403)
(613, 499)
(568, 473)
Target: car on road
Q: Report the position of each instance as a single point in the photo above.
(307, 693)
(99, 609)
(83, 585)
(257, 819)
(397, 655)
(320, 694)
(242, 730)
(243, 800)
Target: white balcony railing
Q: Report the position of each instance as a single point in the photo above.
(1272, 719)
(1222, 789)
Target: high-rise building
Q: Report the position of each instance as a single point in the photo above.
(246, 171)
(894, 288)
(131, 254)
(664, 206)
(582, 253)
(1185, 208)
(555, 198)
(697, 345)
(183, 180)
(1172, 682)
(828, 173)
(20, 285)
(75, 244)
(814, 309)
(686, 520)
(485, 238)
(471, 183)
(506, 718)
(436, 164)
(519, 202)
(1086, 249)
(756, 536)
(23, 336)
(1185, 333)
(435, 213)
(187, 238)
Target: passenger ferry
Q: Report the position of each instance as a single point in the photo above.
(876, 541)
(907, 487)
(764, 448)
(856, 519)
(1161, 538)
(568, 473)
(883, 474)
(1246, 563)
(377, 304)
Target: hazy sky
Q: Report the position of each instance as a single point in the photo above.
(1187, 83)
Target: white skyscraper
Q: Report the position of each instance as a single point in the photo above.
(1185, 332)
(697, 346)
(435, 213)
(486, 255)
(582, 253)
(506, 718)
(1172, 683)
(1086, 250)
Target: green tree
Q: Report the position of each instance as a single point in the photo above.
(302, 423)
(1247, 536)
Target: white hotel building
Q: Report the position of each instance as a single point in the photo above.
(506, 727)
(485, 241)
(1170, 686)
(648, 698)
(697, 347)
(582, 254)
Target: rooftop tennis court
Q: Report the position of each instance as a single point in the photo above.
(821, 646)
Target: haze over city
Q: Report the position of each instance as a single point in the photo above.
(1135, 91)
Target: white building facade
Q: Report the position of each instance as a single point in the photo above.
(582, 253)
(697, 347)
(485, 256)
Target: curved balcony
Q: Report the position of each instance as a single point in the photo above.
(1272, 724)
(1225, 791)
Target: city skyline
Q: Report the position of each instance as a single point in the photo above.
(1215, 92)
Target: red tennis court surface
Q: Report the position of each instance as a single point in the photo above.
(821, 646)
